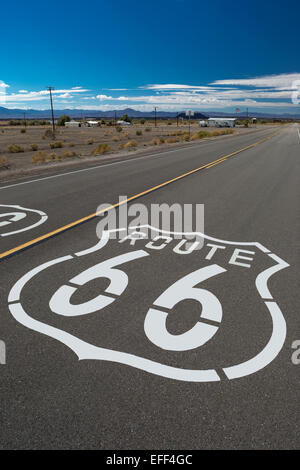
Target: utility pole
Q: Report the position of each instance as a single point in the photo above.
(50, 88)
(155, 108)
(177, 116)
(189, 113)
(25, 120)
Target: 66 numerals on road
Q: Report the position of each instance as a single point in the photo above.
(156, 317)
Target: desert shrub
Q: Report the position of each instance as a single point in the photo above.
(68, 154)
(52, 156)
(126, 118)
(39, 157)
(4, 165)
(169, 123)
(89, 141)
(62, 119)
(48, 134)
(101, 149)
(56, 145)
(221, 132)
(71, 144)
(34, 147)
(13, 148)
(194, 137)
(172, 140)
(138, 132)
(130, 144)
(118, 128)
(116, 139)
(157, 141)
(23, 131)
(148, 129)
(203, 134)
(177, 133)
(142, 121)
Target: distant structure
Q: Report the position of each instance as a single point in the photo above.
(72, 124)
(218, 122)
(92, 123)
(123, 123)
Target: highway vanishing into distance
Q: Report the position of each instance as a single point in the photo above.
(132, 343)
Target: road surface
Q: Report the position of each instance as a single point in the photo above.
(182, 350)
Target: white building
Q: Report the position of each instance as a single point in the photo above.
(72, 124)
(92, 123)
(123, 123)
(221, 122)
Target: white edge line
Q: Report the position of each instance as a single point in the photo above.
(105, 165)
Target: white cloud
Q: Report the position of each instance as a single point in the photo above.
(24, 96)
(104, 97)
(174, 87)
(282, 81)
(273, 91)
(116, 89)
(65, 95)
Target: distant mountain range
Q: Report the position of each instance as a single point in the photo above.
(6, 113)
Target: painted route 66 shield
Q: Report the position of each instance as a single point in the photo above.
(161, 305)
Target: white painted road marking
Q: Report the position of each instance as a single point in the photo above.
(11, 217)
(96, 167)
(212, 311)
(20, 215)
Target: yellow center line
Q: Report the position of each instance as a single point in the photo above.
(59, 230)
(217, 163)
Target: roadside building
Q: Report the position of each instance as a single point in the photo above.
(221, 122)
(92, 123)
(123, 123)
(72, 124)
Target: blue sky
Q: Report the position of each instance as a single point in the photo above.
(174, 54)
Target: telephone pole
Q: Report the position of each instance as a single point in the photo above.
(50, 88)
(155, 108)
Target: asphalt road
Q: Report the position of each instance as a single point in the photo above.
(208, 364)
